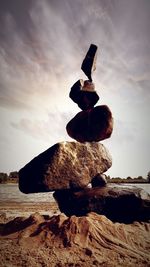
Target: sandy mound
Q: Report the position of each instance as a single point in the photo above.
(91, 240)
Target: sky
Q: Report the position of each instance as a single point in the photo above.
(42, 46)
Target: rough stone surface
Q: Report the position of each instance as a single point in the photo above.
(118, 203)
(64, 165)
(92, 125)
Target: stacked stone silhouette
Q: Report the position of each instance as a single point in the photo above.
(92, 124)
(67, 168)
(73, 165)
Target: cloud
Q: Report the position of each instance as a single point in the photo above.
(53, 128)
(42, 51)
(42, 45)
(40, 60)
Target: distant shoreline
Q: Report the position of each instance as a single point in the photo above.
(109, 182)
(9, 183)
(128, 182)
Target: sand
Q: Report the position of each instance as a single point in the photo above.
(11, 210)
(56, 241)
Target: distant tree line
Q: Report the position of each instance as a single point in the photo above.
(129, 179)
(12, 177)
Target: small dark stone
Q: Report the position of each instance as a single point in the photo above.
(85, 99)
(99, 180)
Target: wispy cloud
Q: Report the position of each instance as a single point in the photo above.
(40, 60)
(53, 128)
(42, 44)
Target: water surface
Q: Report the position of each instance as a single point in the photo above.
(11, 193)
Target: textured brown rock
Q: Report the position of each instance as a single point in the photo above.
(64, 165)
(92, 125)
(118, 203)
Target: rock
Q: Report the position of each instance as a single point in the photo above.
(84, 95)
(64, 165)
(99, 180)
(91, 125)
(89, 62)
(118, 203)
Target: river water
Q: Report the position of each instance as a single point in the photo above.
(11, 193)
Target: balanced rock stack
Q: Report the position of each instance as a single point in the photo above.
(73, 165)
(91, 124)
(69, 167)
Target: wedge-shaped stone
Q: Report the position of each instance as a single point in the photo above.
(64, 165)
(89, 62)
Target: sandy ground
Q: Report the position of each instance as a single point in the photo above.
(10, 210)
(54, 240)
